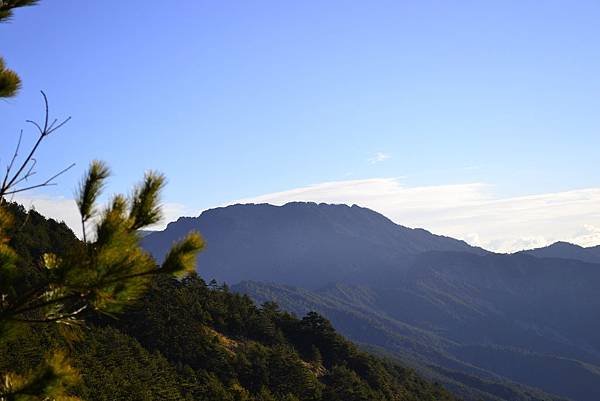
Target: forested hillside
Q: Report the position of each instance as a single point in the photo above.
(186, 340)
(511, 318)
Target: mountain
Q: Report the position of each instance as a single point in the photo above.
(186, 340)
(494, 318)
(498, 327)
(144, 233)
(565, 250)
(305, 244)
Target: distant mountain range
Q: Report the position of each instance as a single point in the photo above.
(565, 250)
(488, 326)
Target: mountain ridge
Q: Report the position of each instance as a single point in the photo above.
(332, 241)
(567, 250)
(190, 219)
(431, 299)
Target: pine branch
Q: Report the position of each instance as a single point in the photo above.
(26, 168)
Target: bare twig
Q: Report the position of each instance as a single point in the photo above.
(46, 303)
(46, 183)
(26, 168)
(12, 161)
(53, 319)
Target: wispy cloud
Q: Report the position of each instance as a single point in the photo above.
(379, 157)
(467, 211)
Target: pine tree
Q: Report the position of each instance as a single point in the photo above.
(104, 273)
(10, 83)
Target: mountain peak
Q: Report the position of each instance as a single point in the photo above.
(300, 243)
(567, 250)
(565, 244)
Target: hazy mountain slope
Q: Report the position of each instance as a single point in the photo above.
(303, 244)
(528, 320)
(424, 350)
(566, 250)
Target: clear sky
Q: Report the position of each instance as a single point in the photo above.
(496, 100)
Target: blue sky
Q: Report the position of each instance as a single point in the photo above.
(234, 100)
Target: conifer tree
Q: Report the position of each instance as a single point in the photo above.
(106, 273)
(10, 83)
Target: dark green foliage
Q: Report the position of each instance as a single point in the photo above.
(228, 346)
(345, 385)
(288, 374)
(7, 7)
(90, 188)
(32, 235)
(104, 275)
(10, 83)
(145, 200)
(135, 375)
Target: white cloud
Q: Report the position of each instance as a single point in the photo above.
(64, 209)
(379, 157)
(58, 208)
(588, 236)
(466, 211)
